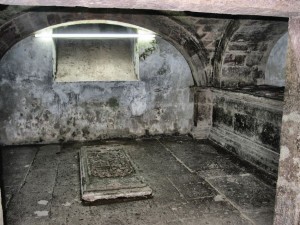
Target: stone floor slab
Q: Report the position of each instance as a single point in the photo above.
(200, 207)
(246, 191)
(261, 217)
(68, 174)
(192, 186)
(107, 173)
(197, 155)
(180, 196)
(40, 179)
(217, 219)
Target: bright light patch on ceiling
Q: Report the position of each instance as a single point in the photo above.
(48, 34)
(146, 35)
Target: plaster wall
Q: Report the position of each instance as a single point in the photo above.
(35, 109)
(95, 60)
(276, 65)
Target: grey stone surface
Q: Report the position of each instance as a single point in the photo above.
(43, 111)
(200, 39)
(95, 60)
(245, 191)
(179, 195)
(15, 168)
(287, 201)
(255, 39)
(107, 173)
(198, 156)
(234, 219)
(248, 126)
(276, 65)
(240, 67)
(262, 217)
(265, 8)
(202, 112)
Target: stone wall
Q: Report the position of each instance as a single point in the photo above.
(248, 126)
(288, 184)
(205, 40)
(35, 109)
(185, 41)
(95, 59)
(202, 112)
(241, 58)
(226, 52)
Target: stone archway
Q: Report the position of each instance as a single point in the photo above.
(184, 40)
(245, 47)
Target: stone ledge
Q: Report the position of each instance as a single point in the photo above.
(201, 132)
(248, 95)
(256, 154)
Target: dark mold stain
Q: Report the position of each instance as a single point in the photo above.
(222, 117)
(244, 124)
(113, 103)
(270, 135)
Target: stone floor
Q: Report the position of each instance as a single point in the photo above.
(193, 183)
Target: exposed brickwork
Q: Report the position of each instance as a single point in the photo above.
(211, 30)
(239, 47)
(220, 50)
(246, 54)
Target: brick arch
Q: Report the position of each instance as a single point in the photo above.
(186, 42)
(244, 50)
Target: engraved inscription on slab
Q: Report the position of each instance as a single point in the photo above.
(107, 172)
(109, 164)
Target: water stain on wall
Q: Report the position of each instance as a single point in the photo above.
(34, 108)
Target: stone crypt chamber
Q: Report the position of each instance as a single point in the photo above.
(146, 112)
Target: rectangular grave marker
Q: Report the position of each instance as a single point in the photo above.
(107, 173)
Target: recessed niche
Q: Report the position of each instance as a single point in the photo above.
(109, 59)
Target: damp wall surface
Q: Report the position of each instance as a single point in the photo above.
(245, 122)
(247, 109)
(35, 109)
(246, 52)
(248, 126)
(276, 64)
